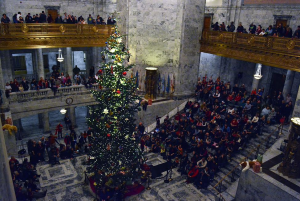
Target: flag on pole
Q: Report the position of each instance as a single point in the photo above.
(168, 85)
(137, 79)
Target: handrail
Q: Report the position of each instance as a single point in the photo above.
(15, 30)
(250, 153)
(278, 44)
(45, 93)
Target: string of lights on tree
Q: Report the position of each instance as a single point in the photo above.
(114, 151)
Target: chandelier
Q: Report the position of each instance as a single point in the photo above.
(63, 111)
(60, 57)
(258, 74)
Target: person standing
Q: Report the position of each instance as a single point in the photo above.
(43, 18)
(58, 130)
(90, 19)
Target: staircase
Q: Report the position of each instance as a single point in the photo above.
(237, 158)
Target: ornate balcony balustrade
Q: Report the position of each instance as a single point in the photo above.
(34, 95)
(31, 36)
(272, 51)
(33, 102)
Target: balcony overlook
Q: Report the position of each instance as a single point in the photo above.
(272, 51)
(32, 36)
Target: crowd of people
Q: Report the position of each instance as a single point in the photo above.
(56, 80)
(218, 124)
(275, 30)
(66, 18)
(25, 176)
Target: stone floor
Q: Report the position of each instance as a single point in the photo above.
(66, 182)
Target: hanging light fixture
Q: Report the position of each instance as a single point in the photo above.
(258, 74)
(60, 57)
(63, 111)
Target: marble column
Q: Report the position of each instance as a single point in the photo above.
(40, 63)
(288, 84)
(46, 124)
(256, 81)
(18, 124)
(6, 184)
(68, 62)
(2, 86)
(296, 112)
(189, 52)
(72, 115)
(40, 119)
(7, 68)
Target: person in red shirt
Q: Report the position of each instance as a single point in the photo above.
(193, 173)
(238, 98)
(234, 124)
(58, 130)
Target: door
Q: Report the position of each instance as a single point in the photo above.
(283, 22)
(53, 14)
(207, 23)
(277, 83)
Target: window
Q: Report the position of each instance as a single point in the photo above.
(46, 61)
(19, 63)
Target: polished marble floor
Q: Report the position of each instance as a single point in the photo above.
(66, 182)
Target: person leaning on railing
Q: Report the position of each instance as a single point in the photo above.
(5, 19)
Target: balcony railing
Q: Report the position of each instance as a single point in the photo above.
(27, 36)
(34, 95)
(273, 51)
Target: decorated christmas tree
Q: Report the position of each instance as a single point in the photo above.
(114, 152)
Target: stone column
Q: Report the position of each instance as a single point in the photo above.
(288, 84)
(2, 86)
(68, 62)
(40, 64)
(46, 124)
(189, 53)
(40, 118)
(296, 112)
(255, 81)
(6, 184)
(72, 115)
(18, 124)
(6, 66)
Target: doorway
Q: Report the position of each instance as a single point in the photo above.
(282, 22)
(207, 23)
(277, 83)
(53, 14)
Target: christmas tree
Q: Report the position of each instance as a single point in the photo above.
(114, 152)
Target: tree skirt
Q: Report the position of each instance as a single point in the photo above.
(131, 189)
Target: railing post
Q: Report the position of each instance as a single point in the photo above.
(257, 151)
(232, 176)
(268, 141)
(278, 133)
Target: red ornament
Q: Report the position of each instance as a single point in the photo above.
(108, 135)
(124, 73)
(118, 91)
(112, 70)
(100, 72)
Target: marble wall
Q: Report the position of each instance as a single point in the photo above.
(79, 60)
(260, 187)
(164, 34)
(296, 112)
(28, 60)
(75, 7)
(263, 15)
